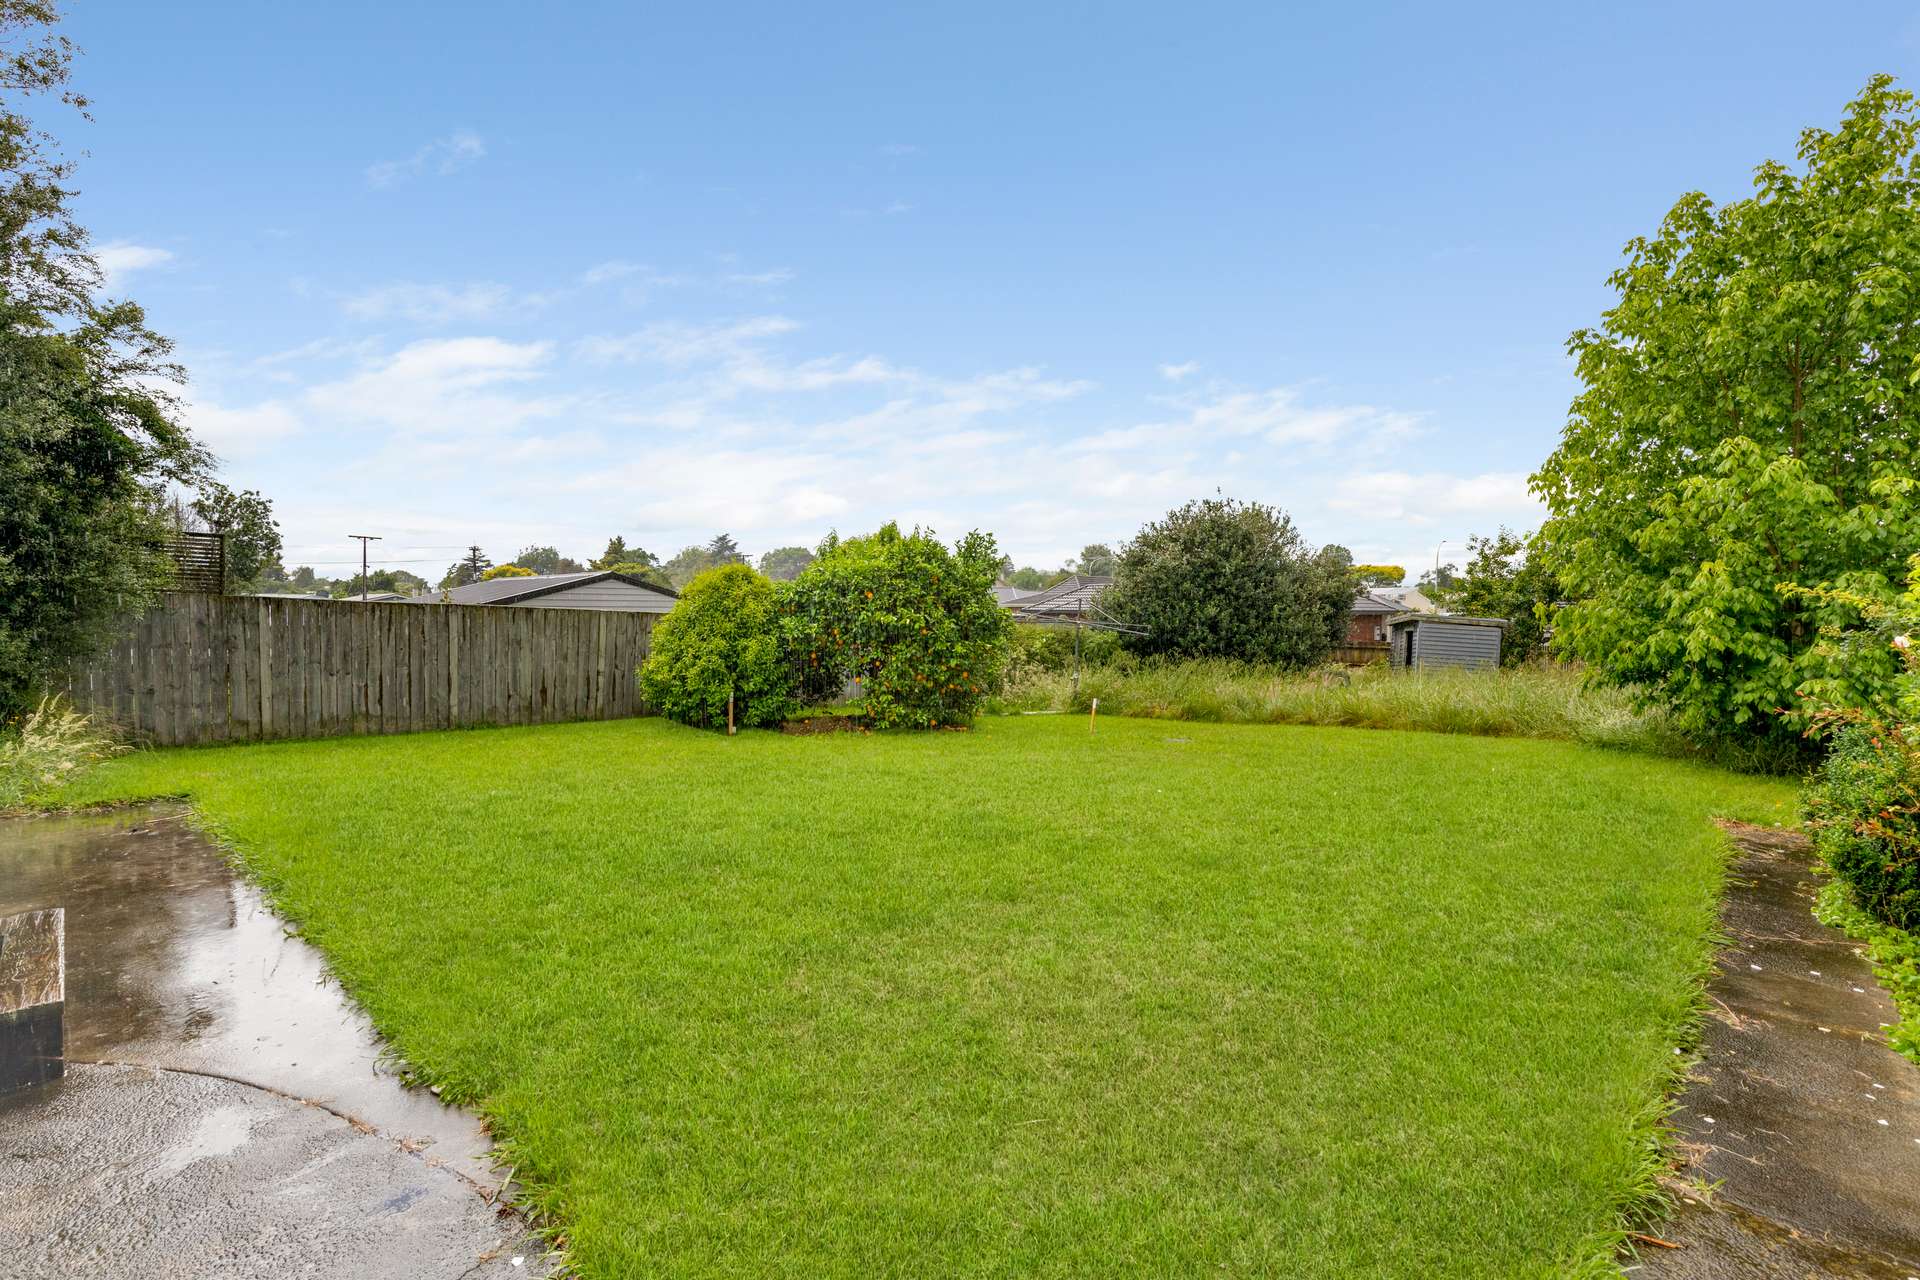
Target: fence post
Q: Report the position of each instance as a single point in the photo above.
(266, 671)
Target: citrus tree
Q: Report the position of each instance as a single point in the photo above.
(914, 622)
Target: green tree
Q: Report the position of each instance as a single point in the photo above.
(784, 564)
(381, 580)
(914, 622)
(1096, 560)
(619, 553)
(467, 571)
(1379, 575)
(1219, 578)
(722, 641)
(724, 550)
(542, 560)
(1504, 579)
(252, 534)
(1747, 421)
(88, 430)
(1031, 579)
(637, 569)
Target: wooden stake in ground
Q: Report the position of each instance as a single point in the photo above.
(729, 715)
(1093, 713)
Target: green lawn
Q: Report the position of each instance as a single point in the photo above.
(1171, 1000)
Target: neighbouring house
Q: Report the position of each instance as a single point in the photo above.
(1006, 597)
(1426, 641)
(1410, 599)
(599, 589)
(1062, 602)
(1372, 606)
(1367, 624)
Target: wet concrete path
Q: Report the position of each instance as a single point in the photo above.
(1800, 1112)
(225, 1111)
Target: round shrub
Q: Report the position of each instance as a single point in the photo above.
(915, 623)
(1224, 579)
(722, 639)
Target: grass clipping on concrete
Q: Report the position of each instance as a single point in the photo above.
(1160, 1000)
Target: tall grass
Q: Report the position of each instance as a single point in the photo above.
(47, 749)
(1526, 702)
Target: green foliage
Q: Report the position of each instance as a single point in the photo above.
(1219, 578)
(784, 564)
(1379, 575)
(1043, 649)
(641, 570)
(88, 431)
(1863, 806)
(723, 639)
(1096, 560)
(1863, 802)
(253, 535)
(506, 571)
(1504, 579)
(467, 571)
(397, 580)
(1031, 579)
(1747, 420)
(46, 749)
(914, 623)
(544, 560)
(694, 561)
(618, 555)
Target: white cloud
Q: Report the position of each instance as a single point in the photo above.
(430, 303)
(119, 259)
(441, 156)
(1176, 372)
(680, 344)
(461, 385)
(900, 149)
(240, 431)
(1423, 498)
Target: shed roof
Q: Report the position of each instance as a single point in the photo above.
(1063, 599)
(513, 590)
(1438, 619)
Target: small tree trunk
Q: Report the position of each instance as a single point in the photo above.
(729, 715)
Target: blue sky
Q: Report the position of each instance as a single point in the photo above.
(511, 274)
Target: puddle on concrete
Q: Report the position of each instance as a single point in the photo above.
(175, 962)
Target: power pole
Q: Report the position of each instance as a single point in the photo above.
(365, 538)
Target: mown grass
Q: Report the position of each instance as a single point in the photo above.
(1025, 1001)
(1543, 701)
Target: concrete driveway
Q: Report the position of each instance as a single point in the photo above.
(225, 1111)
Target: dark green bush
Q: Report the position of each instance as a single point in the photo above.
(722, 639)
(914, 623)
(1863, 804)
(1224, 579)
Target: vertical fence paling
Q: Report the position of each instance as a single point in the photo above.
(208, 668)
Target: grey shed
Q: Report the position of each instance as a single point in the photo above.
(1425, 641)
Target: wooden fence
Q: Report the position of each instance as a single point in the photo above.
(1359, 655)
(208, 668)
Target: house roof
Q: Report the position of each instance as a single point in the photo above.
(1372, 600)
(513, 590)
(1440, 619)
(1008, 595)
(1074, 596)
